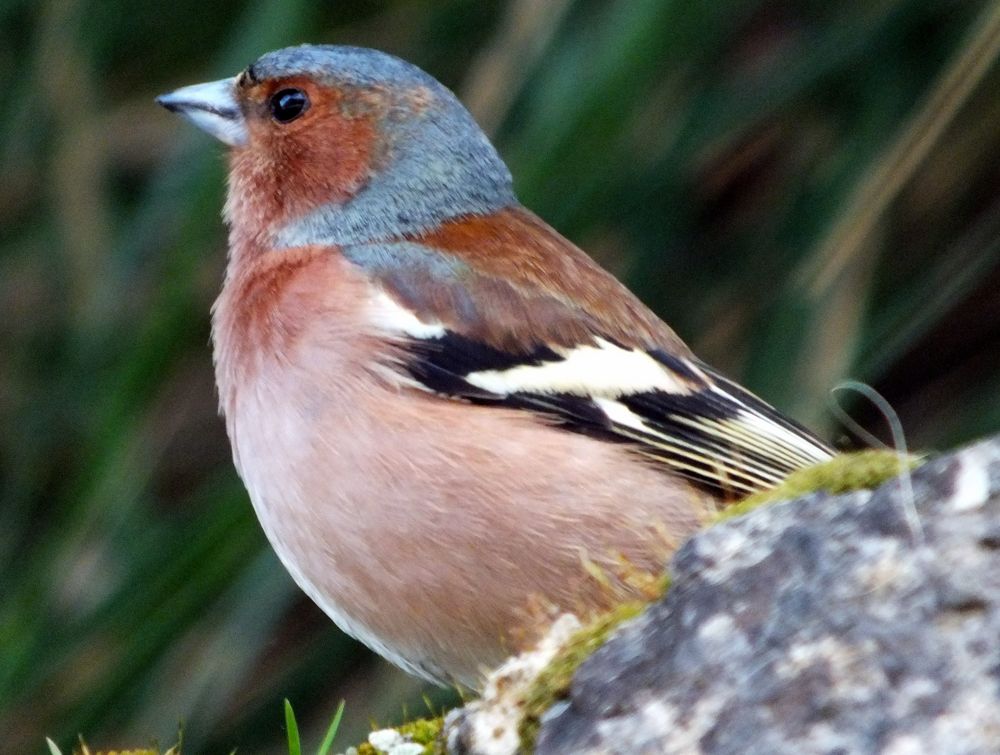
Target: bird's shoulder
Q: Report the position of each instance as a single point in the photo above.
(510, 281)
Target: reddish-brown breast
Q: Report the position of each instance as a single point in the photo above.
(267, 303)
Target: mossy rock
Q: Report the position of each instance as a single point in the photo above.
(423, 731)
(844, 473)
(553, 682)
(863, 470)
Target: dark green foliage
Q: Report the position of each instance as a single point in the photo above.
(742, 165)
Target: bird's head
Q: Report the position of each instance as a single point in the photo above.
(343, 145)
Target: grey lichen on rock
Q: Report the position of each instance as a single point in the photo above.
(491, 725)
(861, 622)
(422, 736)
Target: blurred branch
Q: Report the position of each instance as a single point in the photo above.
(78, 166)
(960, 269)
(837, 277)
(499, 72)
(848, 238)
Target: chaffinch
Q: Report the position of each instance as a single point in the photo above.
(442, 409)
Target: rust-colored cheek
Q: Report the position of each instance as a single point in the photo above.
(328, 162)
(291, 169)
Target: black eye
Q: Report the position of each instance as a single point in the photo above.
(288, 104)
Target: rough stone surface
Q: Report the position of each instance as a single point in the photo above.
(489, 725)
(860, 623)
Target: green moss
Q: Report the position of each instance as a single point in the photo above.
(553, 682)
(424, 731)
(844, 473)
(427, 732)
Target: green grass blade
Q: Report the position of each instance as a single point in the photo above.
(331, 732)
(294, 744)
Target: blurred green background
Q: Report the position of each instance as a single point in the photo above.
(807, 191)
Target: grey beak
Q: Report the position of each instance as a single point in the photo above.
(212, 107)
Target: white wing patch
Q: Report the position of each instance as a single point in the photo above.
(620, 414)
(396, 319)
(604, 369)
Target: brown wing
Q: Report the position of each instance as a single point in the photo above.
(514, 314)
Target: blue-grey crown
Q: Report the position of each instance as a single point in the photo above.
(440, 165)
(341, 64)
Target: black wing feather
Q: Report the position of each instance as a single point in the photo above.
(716, 434)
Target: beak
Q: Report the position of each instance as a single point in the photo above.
(212, 107)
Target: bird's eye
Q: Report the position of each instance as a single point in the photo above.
(288, 104)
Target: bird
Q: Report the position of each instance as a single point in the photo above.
(444, 412)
